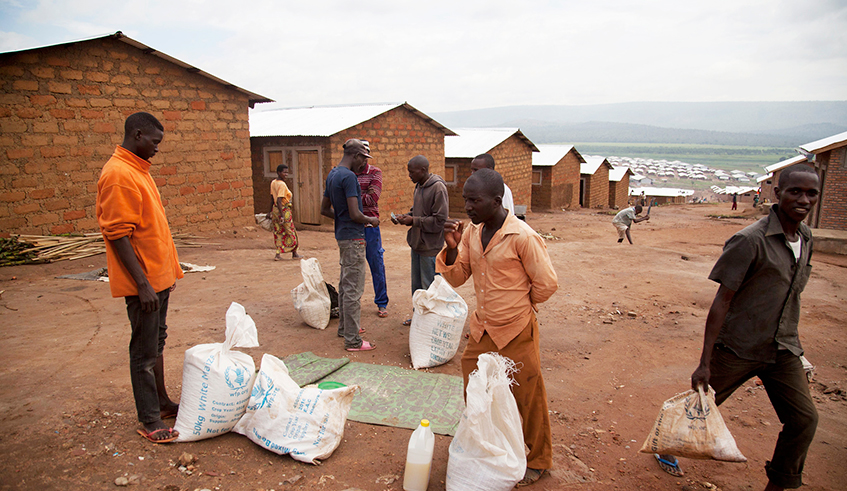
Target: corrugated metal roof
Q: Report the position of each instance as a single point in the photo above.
(273, 120)
(764, 177)
(785, 163)
(617, 173)
(253, 97)
(735, 189)
(651, 191)
(825, 144)
(470, 142)
(550, 155)
(592, 163)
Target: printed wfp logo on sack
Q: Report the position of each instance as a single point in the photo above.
(263, 393)
(694, 410)
(236, 378)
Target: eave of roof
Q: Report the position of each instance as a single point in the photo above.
(550, 155)
(323, 121)
(826, 144)
(617, 173)
(785, 163)
(120, 36)
(470, 142)
(592, 164)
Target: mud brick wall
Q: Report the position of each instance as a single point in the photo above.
(596, 192)
(513, 160)
(619, 192)
(394, 137)
(834, 194)
(62, 112)
(559, 187)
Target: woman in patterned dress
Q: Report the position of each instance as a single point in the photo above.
(285, 237)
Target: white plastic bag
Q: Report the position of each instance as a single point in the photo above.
(690, 425)
(263, 221)
(487, 453)
(437, 324)
(311, 298)
(216, 381)
(307, 423)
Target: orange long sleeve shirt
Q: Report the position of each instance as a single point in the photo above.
(129, 205)
(511, 276)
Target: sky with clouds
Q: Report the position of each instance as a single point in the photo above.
(465, 54)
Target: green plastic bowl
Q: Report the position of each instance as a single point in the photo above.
(329, 385)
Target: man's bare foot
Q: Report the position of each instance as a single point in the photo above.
(294, 255)
(277, 257)
(158, 432)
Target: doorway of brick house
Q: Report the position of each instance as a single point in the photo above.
(308, 175)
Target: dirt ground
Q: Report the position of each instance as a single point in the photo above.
(67, 417)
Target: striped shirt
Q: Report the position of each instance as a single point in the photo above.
(371, 182)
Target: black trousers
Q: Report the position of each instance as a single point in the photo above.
(788, 389)
(146, 345)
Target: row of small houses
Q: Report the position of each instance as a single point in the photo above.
(62, 114)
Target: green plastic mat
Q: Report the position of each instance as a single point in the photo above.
(389, 396)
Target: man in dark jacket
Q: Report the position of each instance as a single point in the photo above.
(425, 221)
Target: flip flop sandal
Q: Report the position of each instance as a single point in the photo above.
(382, 312)
(671, 468)
(149, 436)
(366, 346)
(407, 322)
(530, 477)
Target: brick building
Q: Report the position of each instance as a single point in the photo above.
(830, 161)
(619, 187)
(555, 177)
(309, 140)
(594, 182)
(769, 180)
(512, 152)
(661, 196)
(62, 114)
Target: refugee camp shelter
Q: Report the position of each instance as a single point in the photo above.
(661, 196)
(829, 158)
(594, 182)
(770, 179)
(555, 177)
(512, 152)
(745, 193)
(309, 140)
(619, 187)
(62, 114)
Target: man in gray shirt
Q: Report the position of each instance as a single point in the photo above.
(751, 329)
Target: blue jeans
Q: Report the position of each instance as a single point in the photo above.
(351, 285)
(374, 253)
(146, 345)
(423, 271)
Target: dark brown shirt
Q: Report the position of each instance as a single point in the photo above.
(758, 264)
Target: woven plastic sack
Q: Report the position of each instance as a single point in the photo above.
(306, 423)
(690, 425)
(311, 298)
(263, 221)
(216, 381)
(487, 453)
(437, 324)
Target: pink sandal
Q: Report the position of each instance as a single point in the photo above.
(366, 346)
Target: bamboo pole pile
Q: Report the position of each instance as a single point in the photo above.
(34, 249)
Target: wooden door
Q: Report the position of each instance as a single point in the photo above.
(309, 187)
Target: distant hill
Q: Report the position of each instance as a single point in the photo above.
(723, 123)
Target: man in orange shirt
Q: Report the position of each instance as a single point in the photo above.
(512, 274)
(143, 265)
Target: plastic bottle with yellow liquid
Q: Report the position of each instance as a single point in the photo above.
(419, 458)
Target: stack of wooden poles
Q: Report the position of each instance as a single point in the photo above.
(30, 249)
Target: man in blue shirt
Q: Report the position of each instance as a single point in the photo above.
(342, 201)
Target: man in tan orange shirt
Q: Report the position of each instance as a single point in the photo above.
(512, 273)
(143, 265)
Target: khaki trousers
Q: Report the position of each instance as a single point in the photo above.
(529, 391)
